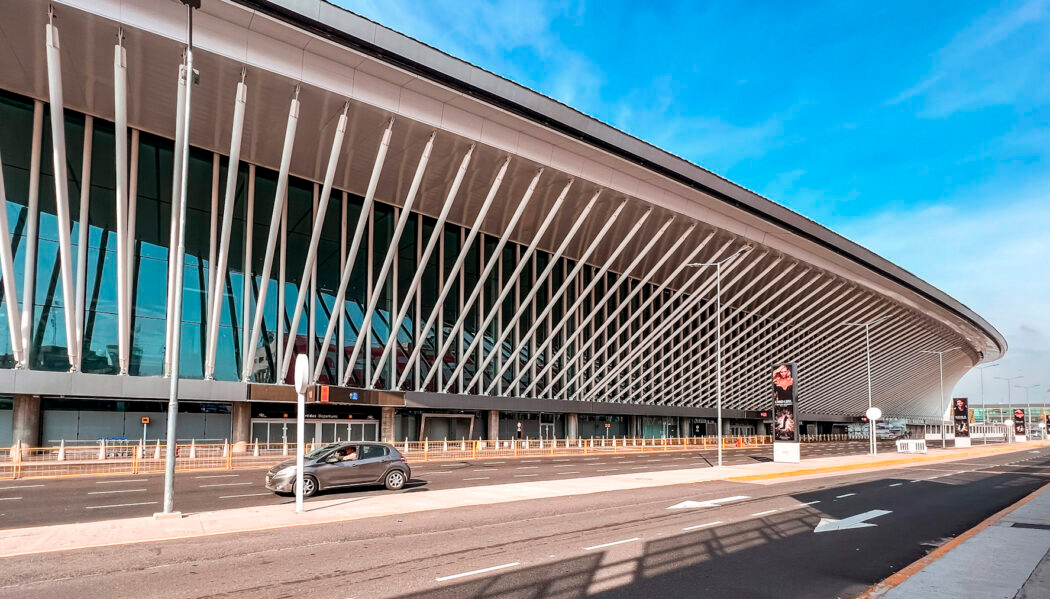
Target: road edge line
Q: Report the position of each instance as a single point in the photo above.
(897, 578)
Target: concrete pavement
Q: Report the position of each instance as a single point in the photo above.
(1006, 557)
(21, 541)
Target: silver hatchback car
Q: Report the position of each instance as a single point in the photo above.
(345, 464)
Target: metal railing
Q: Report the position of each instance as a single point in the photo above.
(106, 458)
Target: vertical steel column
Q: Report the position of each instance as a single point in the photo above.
(218, 285)
(276, 227)
(120, 106)
(133, 190)
(246, 278)
(388, 260)
(58, 147)
(447, 281)
(7, 270)
(311, 254)
(82, 238)
(176, 193)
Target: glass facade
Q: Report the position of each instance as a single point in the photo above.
(528, 344)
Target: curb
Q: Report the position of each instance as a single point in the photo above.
(882, 463)
(898, 578)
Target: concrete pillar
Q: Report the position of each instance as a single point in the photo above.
(635, 427)
(386, 425)
(242, 426)
(572, 429)
(684, 429)
(25, 420)
(493, 425)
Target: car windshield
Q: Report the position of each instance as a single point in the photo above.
(320, 451)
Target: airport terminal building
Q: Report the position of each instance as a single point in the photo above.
(456, 255)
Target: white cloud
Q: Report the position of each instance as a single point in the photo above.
(1001, 59)
(993, 259)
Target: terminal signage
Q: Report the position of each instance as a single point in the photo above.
(785, 425)
(961, 417)
(1019, 424)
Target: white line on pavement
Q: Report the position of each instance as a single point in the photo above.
(702, 525)
(481, 571)
(225, 485)
(527, 467)
(896, 484)
(811, 502)
(524, 475)
(561, 460)
(488, 469)
(611, 544)
(564, 473)
(118, 491)
(606, 469)
(845, 496)
(20, 487)
(9, 498)
(564, 466)
(477, 478)
(99, 507)
(763, 513)
(127, 480)
(245, 495)
(528, 461)
(218, 476)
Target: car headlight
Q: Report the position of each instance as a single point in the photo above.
(290, 470)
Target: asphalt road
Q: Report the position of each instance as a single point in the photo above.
(751, 540)
(38, 502)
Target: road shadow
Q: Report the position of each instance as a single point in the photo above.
(777, 556)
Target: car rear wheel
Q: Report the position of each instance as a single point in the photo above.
(395, 479)
(309, 486)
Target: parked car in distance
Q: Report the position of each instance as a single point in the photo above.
(346, 464)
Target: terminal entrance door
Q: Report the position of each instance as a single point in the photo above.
(546, 431)
(276, 430)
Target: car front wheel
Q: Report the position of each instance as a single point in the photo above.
(309, 486)
(395, 479)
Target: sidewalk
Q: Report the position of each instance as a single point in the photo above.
(1007, 557)
(22, 541)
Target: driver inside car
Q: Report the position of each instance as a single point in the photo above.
(347, 454)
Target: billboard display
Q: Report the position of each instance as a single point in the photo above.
(1019, 424)
(785, 425)
(961, 417)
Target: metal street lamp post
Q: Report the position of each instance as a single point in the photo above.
(940, 359)
(867, 351)
(718, 335)
(984, 405)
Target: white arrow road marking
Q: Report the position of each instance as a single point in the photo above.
(858, 521)
(707, 503)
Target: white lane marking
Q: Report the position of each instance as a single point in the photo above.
(613, 543)
(688, 504)
(527, 467)
(811, 502)
(477, 478)
(589, 459)
(639, 467)
(896, 484)
(99, 507)
(488, 469)
(564, 473)
(914, 481)
(491, 463)
(127, 480)
(225, 485)
(481, 571)
(524, 475)
(117, 491)
(763, 513)
(244, 495)
(20, 487)
(9, 498)
(598, 464)
(564, 466)
(218, 476)
(858, 521)
(702, 525)
(845, 496)
(528, 461)
(606, 469)
(561, 460)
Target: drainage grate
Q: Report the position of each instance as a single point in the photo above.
(1026, 525)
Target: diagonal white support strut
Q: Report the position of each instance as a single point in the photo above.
(435, 235)
(311, 254)
(497, 251)
(215, 310)
(380, 285)
(453, 273)
(58, 147)
(7, 270)
(279, 200)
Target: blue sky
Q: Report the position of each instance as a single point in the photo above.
(920, 130)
